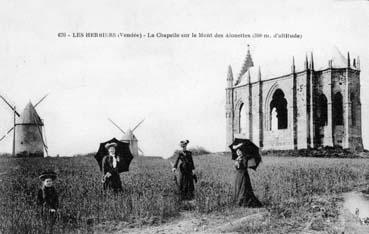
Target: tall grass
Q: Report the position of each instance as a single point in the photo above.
(282, 179)
(149, 195)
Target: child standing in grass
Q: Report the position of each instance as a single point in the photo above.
(47, 197)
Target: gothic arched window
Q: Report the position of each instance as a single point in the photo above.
(338, 109)
(322, 110)
(278, 111)
(242, 119)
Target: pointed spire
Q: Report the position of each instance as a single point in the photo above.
(230, 73)
(293, 65)
(358, 62)
(354, 63)
(247, 63)
(306, 62)
(230, 77)
(311, 61)
(330, 63)
(348, 59)
(259, 74)
(248, 77)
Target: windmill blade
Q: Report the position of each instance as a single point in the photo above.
(138, 125)
(140, 151)
(13, 109)
(45, 143)
(44, 134)
(6, 134)
(40, 100)
(42, 137)
(10, 130)
(116, 125)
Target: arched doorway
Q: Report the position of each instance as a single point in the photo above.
(278, 111)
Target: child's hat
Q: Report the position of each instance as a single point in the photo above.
(47, 175)
(184, 142)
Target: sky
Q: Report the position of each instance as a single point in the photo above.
(177, 85)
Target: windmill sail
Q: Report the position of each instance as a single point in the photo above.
(116, 125)
(41, 135)
(6, 134)
(11, 107)
(138, 125)
(130, 138)
(40, 100)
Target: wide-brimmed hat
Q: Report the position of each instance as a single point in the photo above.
(235, 147)
(184, 142)
(47, 175)
(112, 144)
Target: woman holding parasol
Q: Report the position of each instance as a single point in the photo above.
(245, 153)
(113, 157)
(111, 178)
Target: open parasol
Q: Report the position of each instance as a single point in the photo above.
(122, 151)
(249, 149)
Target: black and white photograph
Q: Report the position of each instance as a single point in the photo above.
(184, 116)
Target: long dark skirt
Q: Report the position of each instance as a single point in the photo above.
(243, 192)
(185, 185)
(113, 182)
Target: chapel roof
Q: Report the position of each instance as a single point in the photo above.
(280, 66)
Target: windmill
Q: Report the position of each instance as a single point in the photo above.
(28, 135)
(130, 138)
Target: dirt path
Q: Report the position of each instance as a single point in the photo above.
(247, 220)
(190, 222)
(355, 202)
(352, 224)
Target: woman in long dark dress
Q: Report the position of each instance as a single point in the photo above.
(185, 176)
(111, 178)
(243, 192)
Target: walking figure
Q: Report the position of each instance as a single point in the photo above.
(243, 192)
(185, 178)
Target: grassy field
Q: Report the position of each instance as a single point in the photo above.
(287, 186)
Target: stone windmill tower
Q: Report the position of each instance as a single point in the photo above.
(130, 138)
(29, 137)
(28, 132)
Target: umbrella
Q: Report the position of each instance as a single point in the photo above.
(122, 150)
(249, 149)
